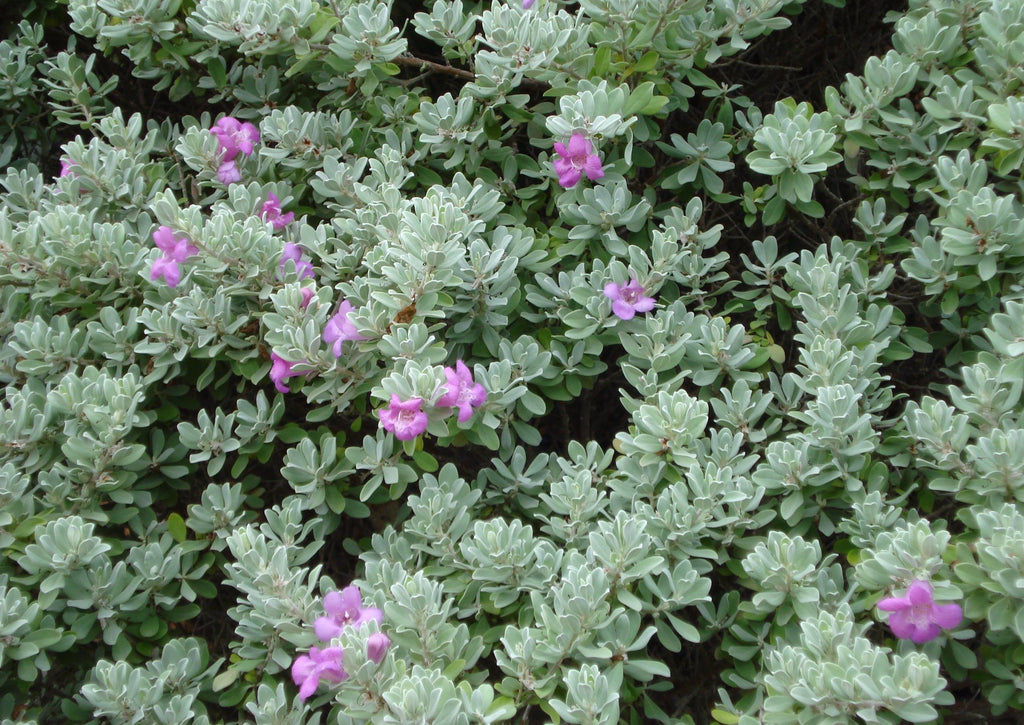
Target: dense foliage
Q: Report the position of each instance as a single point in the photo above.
(472, 362)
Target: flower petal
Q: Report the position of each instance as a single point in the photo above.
(925, 634)
(947, 616)
(901, 625)
(894, 604)
(920, 592)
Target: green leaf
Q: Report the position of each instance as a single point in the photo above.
(225, 679)
(724, 717)
(647, 62)
(176, 527)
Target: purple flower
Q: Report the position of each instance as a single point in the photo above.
(175, 250)
(339, 328)
(294, 253)
(234, 136)
(319, 664)
(343, 608)
(65, 168)
(628, 300)
(307, 295)
(377, 646)
(916, 616)
(271, 212)
(168, 269)
(281, 371)
(403, 418)
(228, 173)
(462, 392)
(576, 160)
(172, 246)
(527, 4)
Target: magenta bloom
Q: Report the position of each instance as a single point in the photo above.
(339, 328)
(576, 160)
(319, 664)
(916, 616)
(403, 418)
(462, 392)
(527, 4)
(307, 295)
(271, 212)
(228, 173)
(281, 371)
(377, 646)
(628, 300)
(344, 608)
(234, 137)
(65, 168)
(175, 250)
(294, 253)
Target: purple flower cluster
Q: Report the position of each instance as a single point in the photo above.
(916, 616)
(175, 250)
(344, 609)
(233, 137)
(406, 418)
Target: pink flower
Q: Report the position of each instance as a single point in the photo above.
(319, 664)
(576, 160)
(168, 269)
(339, 328)
(281, 370)
(343, 608)
(462, 392)
(527, 4)
(234, 136)
(628, 300)
(403, 418)
(377, 646)
(228, 173)
(293, 252)
(271, 212)
(307, 295)
(916, 616)
(65, 168)
(175, 250)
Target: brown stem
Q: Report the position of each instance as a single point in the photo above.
(437, 67)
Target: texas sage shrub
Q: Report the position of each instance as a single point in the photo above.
(281, 369)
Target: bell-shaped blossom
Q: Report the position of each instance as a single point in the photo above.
(281, 370)
(377, 646)
(462, 392)
(575, 160)
(167, 268)
(271, 212)
(234, 137)
(294, 253)
(628, 299)
(319, 664)
(343, 608)
(228, 173)
(916, 616)
(339, 328)
(403, 418)
(175, 250)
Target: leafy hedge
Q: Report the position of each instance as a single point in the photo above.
(300, 344)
